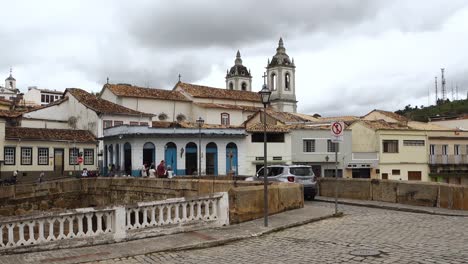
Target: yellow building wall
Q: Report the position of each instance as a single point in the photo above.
(406, 154)
(35, 167)
(363, 138)
(404, 169)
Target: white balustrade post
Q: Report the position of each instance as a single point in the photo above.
(120, 231)
(223, 210)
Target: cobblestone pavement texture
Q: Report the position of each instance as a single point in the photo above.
(397, 237)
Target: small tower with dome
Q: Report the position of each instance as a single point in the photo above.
(238, 77)
(10, 82)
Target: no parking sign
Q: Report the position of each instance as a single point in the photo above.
(336, 130)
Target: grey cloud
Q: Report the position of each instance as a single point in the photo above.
(190, 24)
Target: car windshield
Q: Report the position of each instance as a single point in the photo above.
(301, 171)
(271, 171)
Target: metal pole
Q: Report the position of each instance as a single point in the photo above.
(199, 151)
(265, 178)
(336, 178)
(76, 158)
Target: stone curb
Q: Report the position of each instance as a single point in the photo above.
(225, 241)
(389, 207)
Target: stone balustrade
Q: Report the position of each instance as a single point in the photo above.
(115, 223)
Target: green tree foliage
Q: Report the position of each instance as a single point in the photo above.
(443, 108)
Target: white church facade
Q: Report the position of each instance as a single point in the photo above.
(174, 135)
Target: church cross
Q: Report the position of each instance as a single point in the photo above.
(264, 77)
(179, 77)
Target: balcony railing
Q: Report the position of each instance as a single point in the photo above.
(448, 159)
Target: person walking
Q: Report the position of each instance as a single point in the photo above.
(161, 170)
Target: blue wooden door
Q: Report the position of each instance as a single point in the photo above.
(231, 159)
(211, 159)
(170, 156)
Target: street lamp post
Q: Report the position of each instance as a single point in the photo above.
(265, 94)
(200, 123)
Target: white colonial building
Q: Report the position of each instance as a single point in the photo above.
(36, 96)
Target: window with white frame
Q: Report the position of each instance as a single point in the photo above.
(225, 119)
(332, 147)
(89, 157)
(308, 145)
(73, 155)
(9, 155)
(43, 156)
(26, 156)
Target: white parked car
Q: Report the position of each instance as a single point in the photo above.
(302, 174)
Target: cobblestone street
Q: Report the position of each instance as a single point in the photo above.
(396, 237)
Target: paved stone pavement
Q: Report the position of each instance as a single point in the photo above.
(397, 237)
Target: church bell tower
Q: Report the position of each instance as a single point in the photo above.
(281, 80)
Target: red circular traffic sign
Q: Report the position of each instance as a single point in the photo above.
(80, 159)
(337, 129)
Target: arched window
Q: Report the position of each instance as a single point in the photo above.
(287, 82)
(274, 81)
(231, 86)
(244, 86)
(225, 119)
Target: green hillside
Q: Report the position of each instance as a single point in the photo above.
(442, 108)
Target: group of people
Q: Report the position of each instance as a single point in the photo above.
(156, 172)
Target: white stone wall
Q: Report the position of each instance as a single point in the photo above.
(274, 149)
(32, 96)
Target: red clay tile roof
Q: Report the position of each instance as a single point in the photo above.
(9, 113)
(102, 106)
(127, 90)
(340, 118)
(384, 125)
(309, 127)
(395, 116)
(5, 101)
(57, 102)
(167, 124)
(229, 106)
(46, 134)
(218, 93)
(285, 117)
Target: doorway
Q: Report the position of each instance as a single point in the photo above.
(414, 176)
(148, 154)
(231, 159)
(58, 162)
(128, 159)
(191, 162)
(211, 159)
(361, 173)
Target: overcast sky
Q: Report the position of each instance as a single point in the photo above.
(351, 56)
